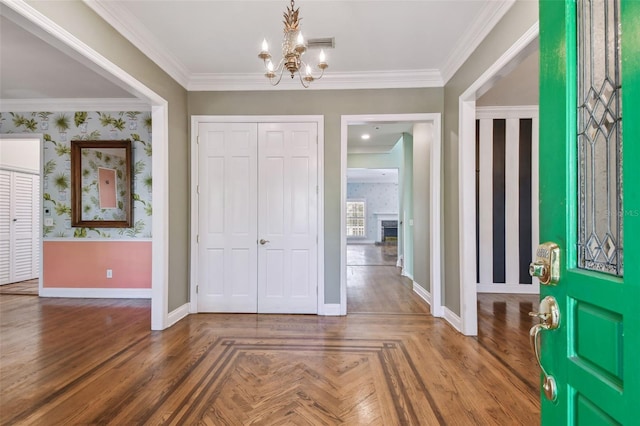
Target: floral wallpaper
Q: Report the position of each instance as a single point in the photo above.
(58, 130)
(380, 198)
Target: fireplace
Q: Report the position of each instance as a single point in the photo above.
(389, 230)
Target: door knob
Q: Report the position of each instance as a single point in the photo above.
(549, 314)
(263, 241)
(547, 264)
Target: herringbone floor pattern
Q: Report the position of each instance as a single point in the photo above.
(95, 362)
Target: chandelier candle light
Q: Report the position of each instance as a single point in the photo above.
(293, 48)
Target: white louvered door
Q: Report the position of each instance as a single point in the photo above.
(19, 226)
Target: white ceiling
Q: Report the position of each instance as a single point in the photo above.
(372, 176)
(213, 45)
(383, 137)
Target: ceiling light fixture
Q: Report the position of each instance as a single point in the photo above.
(365, 136)
(293, 48)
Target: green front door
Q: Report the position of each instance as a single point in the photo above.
(590, 207)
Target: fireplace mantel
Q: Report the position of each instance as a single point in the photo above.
(379, 218)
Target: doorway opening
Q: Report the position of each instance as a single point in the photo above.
(388, 223)
(472, 233)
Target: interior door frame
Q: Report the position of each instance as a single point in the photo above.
(194, 228)
(434, 298)
(40, 138)
(467, 175)
(32, 20)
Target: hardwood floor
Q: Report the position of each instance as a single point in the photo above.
(84, 361)
(25, 288)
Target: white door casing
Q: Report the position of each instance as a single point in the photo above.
(228, 227)
(287, 218)
(257, 181)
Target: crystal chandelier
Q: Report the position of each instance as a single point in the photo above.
(293, 48)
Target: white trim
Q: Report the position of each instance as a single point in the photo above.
(160, 145)
(97, 293)
(406, 274)
(422, 292)
(434, 190)
(331, 309)
(331, 81)
(55, 105)
(435, 216)
(466, 182)
(453, 319)
(509, 288)
(195, 122)
(471, 39)
(519, 111)
(133, 30)
(177, 314)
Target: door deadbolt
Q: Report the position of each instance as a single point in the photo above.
(547, 264)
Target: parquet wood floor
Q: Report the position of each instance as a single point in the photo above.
(77, 362)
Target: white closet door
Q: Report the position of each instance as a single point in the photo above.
(227, 217)
(287, 218)
(19, 226)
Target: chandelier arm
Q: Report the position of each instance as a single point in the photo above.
(303, 65)
(279, 78)
(304, 84)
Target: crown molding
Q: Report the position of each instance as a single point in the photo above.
(63, 105)
(516, 111)
(491, 14)
(134, 31)
(330, 81)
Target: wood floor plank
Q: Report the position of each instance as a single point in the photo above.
(82, 361)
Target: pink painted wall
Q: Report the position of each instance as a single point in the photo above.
(84, 264)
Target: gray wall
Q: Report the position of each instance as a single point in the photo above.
(332, 104)
(82, 22)
(522, 15)
(421, 140)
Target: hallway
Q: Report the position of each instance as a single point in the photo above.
(374, 283)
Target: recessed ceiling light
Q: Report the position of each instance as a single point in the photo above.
(365, 136)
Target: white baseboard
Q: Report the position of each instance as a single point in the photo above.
(97, 293)
(177, 314)
(509, 288)
(406, 274)
(331, 309)
(400, 262)
(420, 291)
(453, 319)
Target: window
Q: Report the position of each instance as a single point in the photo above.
(356, 218)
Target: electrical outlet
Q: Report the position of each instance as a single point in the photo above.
(48, 221)
(109, 273)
